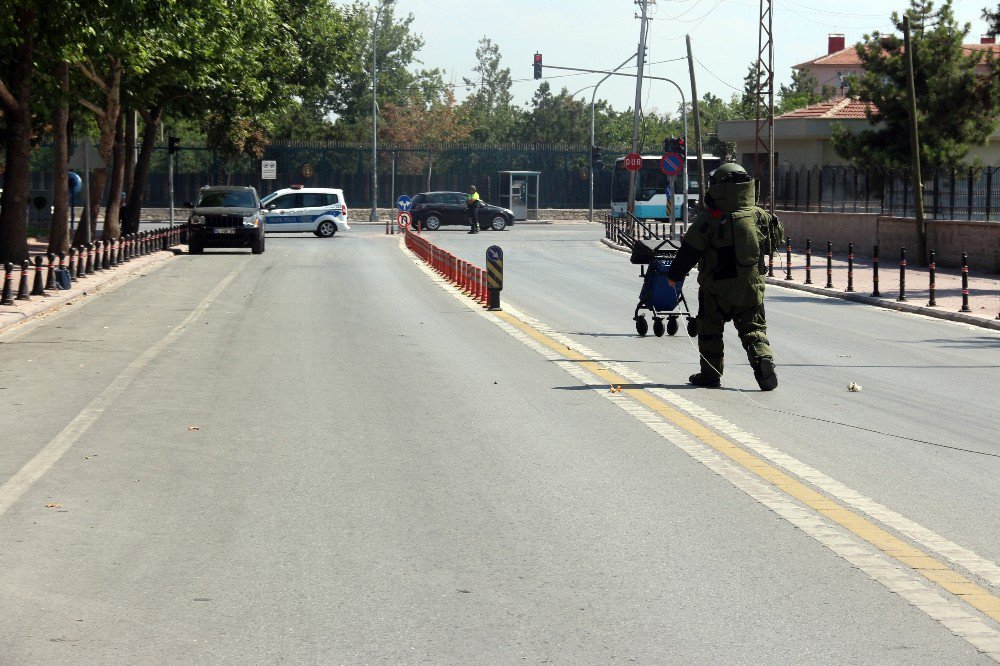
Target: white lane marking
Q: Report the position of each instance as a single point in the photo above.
(42, 462)
(975, 564)
(905, 582)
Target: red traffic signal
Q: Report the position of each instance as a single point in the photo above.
(538, 65)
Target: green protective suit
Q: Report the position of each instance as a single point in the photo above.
(728, 241)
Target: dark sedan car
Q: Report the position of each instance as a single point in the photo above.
(433, 209)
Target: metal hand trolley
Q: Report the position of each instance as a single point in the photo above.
(657, 296)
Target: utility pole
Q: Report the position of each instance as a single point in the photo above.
(765, 100)
(697, 123)
(918, 181)
(640, 60)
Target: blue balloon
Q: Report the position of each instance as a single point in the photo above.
(75, 183)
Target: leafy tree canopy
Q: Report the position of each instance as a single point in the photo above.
(956, 106)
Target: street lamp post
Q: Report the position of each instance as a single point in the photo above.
(593, 97)
(374, 213)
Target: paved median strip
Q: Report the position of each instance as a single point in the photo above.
(836, 523)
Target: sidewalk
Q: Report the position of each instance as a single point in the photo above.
(22, 311)
(984, 289)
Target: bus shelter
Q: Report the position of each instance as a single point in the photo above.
(519, 191)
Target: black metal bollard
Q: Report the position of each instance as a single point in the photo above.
(50, 277)
(81, 262)
(788, 258)
(7, 296)
(121, 250)
(106, 264)
(932, 302)
(113, 263)
(770, 264)
(38, 285)
(72, 264)
(165, 239)
(850, 267)
(965, 283)
(875, 291)
(98, 259)
(902, 274)
(127, 247)
(809, 261)
(89, 268)
(829, 264)
(22, 287)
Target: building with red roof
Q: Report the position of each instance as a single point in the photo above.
(803, 137)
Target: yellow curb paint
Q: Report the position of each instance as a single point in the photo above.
(926, 566)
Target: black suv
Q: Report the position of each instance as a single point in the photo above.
(226, 217)
(433, 209)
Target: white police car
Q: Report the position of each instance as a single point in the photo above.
(321, 210)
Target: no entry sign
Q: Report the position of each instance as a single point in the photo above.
(632, 161)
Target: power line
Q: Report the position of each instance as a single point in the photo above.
(739, 90)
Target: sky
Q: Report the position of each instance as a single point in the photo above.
(600, 34)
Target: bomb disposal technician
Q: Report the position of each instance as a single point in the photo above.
(729, 240)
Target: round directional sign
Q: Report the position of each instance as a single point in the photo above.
(632, 161)
(404, 203)
(403, 219)
(672, 164)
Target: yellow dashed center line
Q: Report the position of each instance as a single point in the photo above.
(930, 568)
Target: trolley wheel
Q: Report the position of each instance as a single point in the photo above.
(658, 326)
(692, 326)
(641, 325)
(672, 326)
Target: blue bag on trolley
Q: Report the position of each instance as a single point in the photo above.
(657, 294)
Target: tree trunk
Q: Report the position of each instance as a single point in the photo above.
(106, 118)
(129, 157)
(17, 114)
(112, 228)
(135, 197)
(59, 230)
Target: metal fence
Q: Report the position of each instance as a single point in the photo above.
(971, 193)
(564, 180)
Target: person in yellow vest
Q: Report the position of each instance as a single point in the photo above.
(472, 204)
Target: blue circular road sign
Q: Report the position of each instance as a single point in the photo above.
(403, 203)
(672, 164)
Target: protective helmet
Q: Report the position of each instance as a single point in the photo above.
(730, 172)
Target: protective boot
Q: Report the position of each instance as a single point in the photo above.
(710, 375)
(763, 372)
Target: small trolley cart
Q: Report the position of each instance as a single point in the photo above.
(657, 296)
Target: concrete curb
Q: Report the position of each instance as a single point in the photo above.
(867, 300)
(15, 315)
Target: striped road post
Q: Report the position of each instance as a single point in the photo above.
(494, 276)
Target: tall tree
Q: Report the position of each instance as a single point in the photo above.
(802, 92)
(396, 48)
(18, 26)
(34, 36)
(956, 107)
(556, 118)
(712, 109)
(992, 19)
(488, 108)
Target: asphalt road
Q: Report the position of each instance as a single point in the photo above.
(322, 455)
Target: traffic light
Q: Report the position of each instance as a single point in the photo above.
(173, 145)
(674, 145)
(538, 65)
(595, 156)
